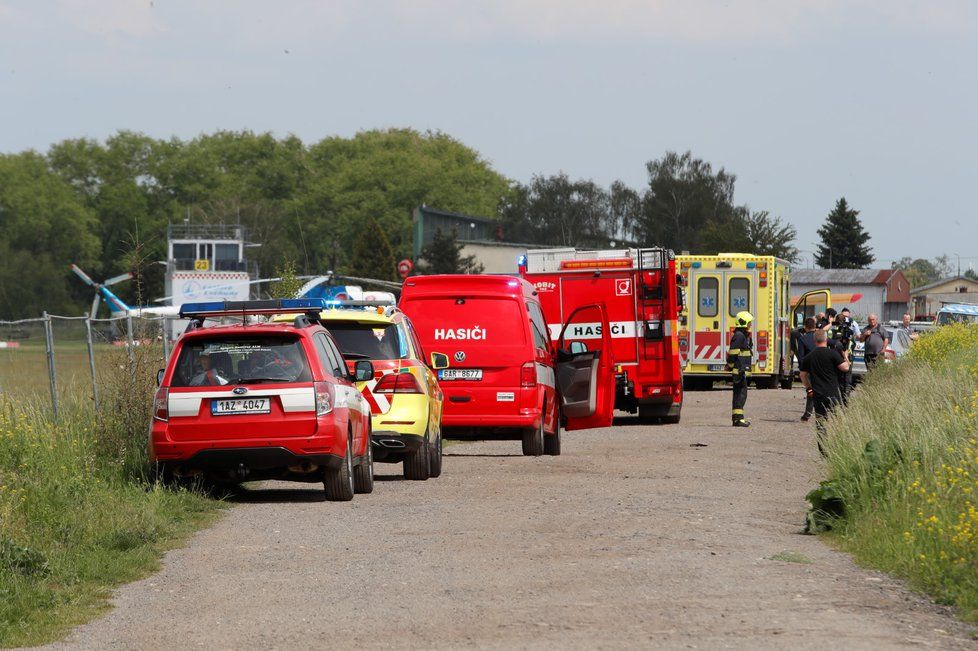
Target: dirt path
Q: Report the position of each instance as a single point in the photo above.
(632, 538)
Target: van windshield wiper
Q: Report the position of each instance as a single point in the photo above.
(357, 356)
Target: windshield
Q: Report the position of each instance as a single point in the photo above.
(241, 360)
(369, 340)
(944, 318)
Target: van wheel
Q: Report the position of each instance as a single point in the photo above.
(434, 465)
(533, 440)
(417, 464)
(339, 483)
(649, 414)
(551, 442)
(363, 474)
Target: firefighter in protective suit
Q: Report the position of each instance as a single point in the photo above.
(739, 356)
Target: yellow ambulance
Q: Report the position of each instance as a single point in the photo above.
(717, 288)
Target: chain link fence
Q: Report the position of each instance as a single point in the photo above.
(58, 358)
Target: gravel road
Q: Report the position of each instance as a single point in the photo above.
(639, 536)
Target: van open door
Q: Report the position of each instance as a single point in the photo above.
(586, 370)
(809, 304)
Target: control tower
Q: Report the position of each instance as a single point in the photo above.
(205, 262)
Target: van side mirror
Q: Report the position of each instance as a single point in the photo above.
(363, 370)
(578, 347)
(159, 376)
(439, 361)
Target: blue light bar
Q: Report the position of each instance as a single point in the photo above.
(273, 306)
(751, 265)
(697, 264)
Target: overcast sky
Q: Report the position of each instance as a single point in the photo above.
(804, 102)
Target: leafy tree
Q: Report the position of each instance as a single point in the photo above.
(683, 196)
(45, 227)
(288, 285)
(919, 272)
(845, 243)
(555, 210)
(444, 256)
(372, 255)
(971, 273)
(751, 232)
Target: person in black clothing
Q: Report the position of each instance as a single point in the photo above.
(740, 356)
(820, 374)
(805, 344)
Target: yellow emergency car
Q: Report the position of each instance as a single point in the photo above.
(404, 396)
(720, 286)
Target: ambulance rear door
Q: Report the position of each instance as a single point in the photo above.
(707, 319)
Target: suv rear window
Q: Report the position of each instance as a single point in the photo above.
(478, 320)
(241, 360)
(368, 340)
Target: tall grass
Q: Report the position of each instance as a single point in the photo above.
(903, 468)
(78, 514)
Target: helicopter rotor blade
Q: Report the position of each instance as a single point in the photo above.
(84, 276)
(117, 279)
(95, 302)
(373, 281)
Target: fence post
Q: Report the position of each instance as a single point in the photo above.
(91, 360)
(129, 336)
(166, 341)
(49, 349)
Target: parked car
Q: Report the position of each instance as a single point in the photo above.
(508, 379)
(263, 401)
(404, 396)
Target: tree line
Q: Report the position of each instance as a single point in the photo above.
(340, 203)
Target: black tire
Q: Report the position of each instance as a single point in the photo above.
(551, 442)
(434, 465)
(533, 440)
(339, 483)
(363, 474)
(672, 420)
(787, 382)
(417, 464)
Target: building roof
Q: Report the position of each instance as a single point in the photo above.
(923, 289)
(841, 276)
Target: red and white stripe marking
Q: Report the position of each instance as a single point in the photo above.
(9, 344)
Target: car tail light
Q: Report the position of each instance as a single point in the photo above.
(528, 375)
(161, 404)
(325, 398)
(398, 383)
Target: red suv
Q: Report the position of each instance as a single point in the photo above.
(508, 379)
(256, 401)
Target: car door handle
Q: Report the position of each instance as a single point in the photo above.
(460, 398)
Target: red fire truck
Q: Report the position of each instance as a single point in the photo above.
(641, 293)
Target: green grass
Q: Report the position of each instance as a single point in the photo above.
(902, 470)
(78, 513)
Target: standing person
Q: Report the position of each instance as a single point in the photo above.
(820, 374)
(740, 354)
(852, 322)
(875, 339)
(909, 329)
(806, 345)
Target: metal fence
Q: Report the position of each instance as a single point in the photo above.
(53, 357)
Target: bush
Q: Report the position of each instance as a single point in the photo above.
(903, 464)
(77, 515)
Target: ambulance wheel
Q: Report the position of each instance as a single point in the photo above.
(363, 474)
(787, 382)
(434, 465)
(551, 442)
(533, 440)
(417, 464)
(339, 483)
